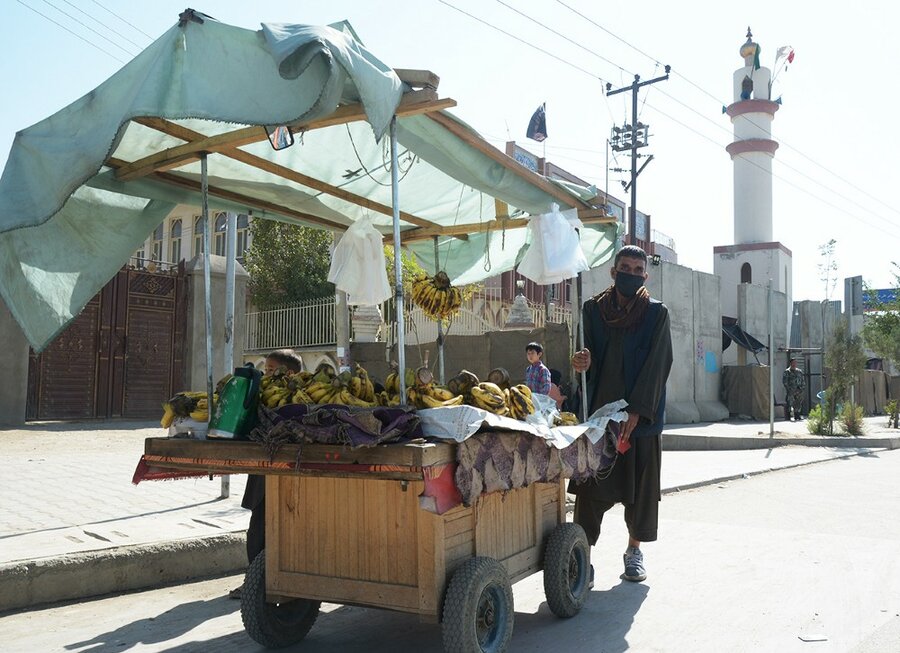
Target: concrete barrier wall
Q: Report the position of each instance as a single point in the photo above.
(753, 316)
(195, 349)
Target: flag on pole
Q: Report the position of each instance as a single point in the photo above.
(537, 127)
(787, 52)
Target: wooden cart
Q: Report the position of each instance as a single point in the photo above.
(345, 526)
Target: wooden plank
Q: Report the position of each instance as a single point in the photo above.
(412, 103)
(566, 199)
(431, 573)
(343, 590)
(418, 78)
(411, 455)
(489, 225)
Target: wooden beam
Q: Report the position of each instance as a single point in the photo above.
(501, 222)
(418, 78)
(249, 202)
(282, 171)
(566, 199)
(414, 102)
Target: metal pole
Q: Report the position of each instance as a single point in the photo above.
(580, 333)
(770, 307)
(632, 219)
(440, 323)
(228, 352)
(207, 290)
(398, 264)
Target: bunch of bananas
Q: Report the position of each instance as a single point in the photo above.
(186, 404)
(565, 418)
(432, 396)
(518, 398)
(347, 388)
(435, 296)
(488, 396)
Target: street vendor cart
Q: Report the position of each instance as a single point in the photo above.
(346, 526)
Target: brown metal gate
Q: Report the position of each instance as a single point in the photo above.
(121, 357)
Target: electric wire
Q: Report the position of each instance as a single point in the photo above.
(682, 124)
(75, 34)
(102, 24)
(133, 26)
(88, 27)
(718, 101)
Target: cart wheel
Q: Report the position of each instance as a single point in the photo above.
(274, 625)
(478, 608)
(567, 568)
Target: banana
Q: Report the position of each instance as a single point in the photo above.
(566, 418)
(168, 416)
(520, 405)
(432, 402)
(441, 394)
(355, 386)
(200, 415)
(392, 383)
(485, 398)
(524, 389)
(300, 397)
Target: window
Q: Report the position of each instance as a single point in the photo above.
(243, 232)
(140, 256)
(175, 242)
(746, 273)
(219, 234)
(198, 235)
(157, 250)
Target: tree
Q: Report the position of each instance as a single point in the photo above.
(828, 267)
(845, 359)
(287, 263)
(882, 329)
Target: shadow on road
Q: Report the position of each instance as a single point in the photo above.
(155, 630)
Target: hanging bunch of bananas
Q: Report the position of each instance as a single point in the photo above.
(435, 296)
(194, 405)
(565, 418)
(424, 393)
(518, 398)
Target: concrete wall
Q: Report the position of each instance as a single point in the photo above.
(14, 389)
(195, 348)
(814, 324)
(753, 316)
(478, 354)
(692, 392)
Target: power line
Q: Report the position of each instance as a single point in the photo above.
(704, 136)
(122, 19)
(707, 93)
(90, 43)
(88, 27)
(102, 24)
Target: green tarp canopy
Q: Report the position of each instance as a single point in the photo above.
(82, 189)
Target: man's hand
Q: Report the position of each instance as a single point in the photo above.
(581, 361)
(626, 427)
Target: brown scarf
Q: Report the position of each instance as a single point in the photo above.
(622, 317)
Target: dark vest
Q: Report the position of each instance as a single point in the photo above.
(636, 349)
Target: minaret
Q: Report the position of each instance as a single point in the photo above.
(755, 257)
(753, 149)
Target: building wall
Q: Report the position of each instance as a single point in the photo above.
(195, 348)
(14, 389)
(753, 316)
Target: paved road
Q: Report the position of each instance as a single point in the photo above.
(804, 560)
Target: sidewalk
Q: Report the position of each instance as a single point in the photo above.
(72, 525)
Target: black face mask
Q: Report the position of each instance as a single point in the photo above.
(628, 284)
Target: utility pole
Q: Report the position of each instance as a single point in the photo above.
(631, 137)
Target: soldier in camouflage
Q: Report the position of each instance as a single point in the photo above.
(794, 384)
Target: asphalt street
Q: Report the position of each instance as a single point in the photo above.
(804, 559)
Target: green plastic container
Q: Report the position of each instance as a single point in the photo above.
(234, 415)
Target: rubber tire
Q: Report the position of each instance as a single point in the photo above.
(567, 570)
(479, 584)
(273, 625)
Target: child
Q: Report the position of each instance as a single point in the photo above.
(537, 376)
(555, 392)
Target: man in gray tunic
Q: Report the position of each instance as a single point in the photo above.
(627, 355)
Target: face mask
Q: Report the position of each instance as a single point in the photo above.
(628, 284)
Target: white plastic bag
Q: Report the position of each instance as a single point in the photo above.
(554, 253)
(358, 266)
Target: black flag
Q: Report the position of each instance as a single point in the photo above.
(537, 128)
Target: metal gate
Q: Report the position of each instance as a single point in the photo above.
(121, 357)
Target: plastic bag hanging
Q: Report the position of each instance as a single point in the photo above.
(554, 253)
(358, 266)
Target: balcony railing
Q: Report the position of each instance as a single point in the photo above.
(306, 324)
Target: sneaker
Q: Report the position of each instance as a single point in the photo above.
(235, 593)
(634, 565)
(591, 579)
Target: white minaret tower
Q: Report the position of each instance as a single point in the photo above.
(754, 257)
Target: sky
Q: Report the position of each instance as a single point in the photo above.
(835, 173)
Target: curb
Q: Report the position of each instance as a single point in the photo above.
(29, 583)
(679, 442)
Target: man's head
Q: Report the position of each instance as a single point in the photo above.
(793, 364)
(283, 358)
(629, 270)
(533, 352)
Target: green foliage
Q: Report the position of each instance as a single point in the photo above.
(891, 408)
(882, 327)
(818, 421)
(845, 360)
(287, 263)
(852, 419)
